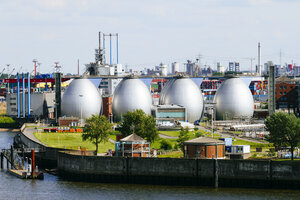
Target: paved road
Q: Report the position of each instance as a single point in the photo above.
(167, 137)
(28, 132)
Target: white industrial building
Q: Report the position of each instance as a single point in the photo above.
(41, 104)
(108, 86)
(175, 67)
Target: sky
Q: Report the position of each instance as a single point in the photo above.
(150, 32)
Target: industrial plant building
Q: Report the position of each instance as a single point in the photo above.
(204, 147)
(288, 94)
(42, 105)
(168, 114)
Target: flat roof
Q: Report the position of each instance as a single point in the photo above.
(170, 106)
(204, 140)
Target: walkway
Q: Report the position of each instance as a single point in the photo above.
(167, 136)
(28, 132)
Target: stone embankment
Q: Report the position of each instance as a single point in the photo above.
(180, 171)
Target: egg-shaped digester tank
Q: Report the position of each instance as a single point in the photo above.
(131, 94)
(81, 99)
(184, 92)
(233, 100)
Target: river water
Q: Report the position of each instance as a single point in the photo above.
(53, 187)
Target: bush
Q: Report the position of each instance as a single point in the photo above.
(196, 129)
(165, 144)
(271, 154)
(8, 122)
(176, 147)
(199, 134)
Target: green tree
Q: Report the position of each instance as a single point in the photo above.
(139, 123)
(183, 136)
(284, 130)
(97, 130)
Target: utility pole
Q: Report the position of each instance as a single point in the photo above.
(251, 59)
(34, 61)
(7, 70)
(78, 67)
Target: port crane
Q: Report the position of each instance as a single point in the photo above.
(8, 76)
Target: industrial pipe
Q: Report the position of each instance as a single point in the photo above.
(110, 57)
(104, 61)
(18, 95)
(23, 82)
(117, 48)
(28, 93)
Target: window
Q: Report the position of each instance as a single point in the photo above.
(12, 104)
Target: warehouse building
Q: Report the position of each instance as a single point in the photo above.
(42, 105)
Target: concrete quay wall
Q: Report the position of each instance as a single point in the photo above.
(174, 171)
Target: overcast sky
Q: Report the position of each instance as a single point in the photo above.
(151, 31)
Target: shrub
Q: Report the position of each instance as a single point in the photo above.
(199, 134)
(165, 144)
(176, 147)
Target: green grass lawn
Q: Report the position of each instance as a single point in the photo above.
(192, 134)
(113, 137)
(173, 154)
(170, 133)
(253, 144)
(71, 141)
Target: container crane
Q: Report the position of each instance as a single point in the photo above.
(1, 75)
(8, 76)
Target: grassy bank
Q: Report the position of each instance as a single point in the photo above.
(71, 141)
(8, 122)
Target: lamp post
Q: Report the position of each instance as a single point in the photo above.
(81, 95)
(212, 107)
(212, 122)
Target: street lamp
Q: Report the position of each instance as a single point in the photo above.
(81, 95)
(212, 107)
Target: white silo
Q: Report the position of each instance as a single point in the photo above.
(81, 99)
(184, 92)
(131, 94)
(233, 100)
